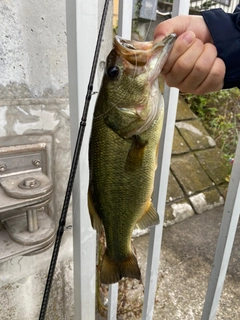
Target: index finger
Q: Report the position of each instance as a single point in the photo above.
(182, 44)
(181, 24)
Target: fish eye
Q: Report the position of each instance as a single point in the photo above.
(113, 72)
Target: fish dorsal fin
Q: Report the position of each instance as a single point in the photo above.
(150, 218)
(135, 154)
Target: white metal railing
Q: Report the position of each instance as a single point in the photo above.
(81, 16)
(226, 5)
(225, 241)
(82, 22)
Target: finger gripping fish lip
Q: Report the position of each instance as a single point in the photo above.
(139, 53)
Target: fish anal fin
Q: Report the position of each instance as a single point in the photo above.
(114, 271)
(136, 153)
(150, 218)
(95, 220)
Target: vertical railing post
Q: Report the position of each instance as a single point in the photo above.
(125, 18)
(125, 31)
(225, 241)
(81, 16)
(160, 189)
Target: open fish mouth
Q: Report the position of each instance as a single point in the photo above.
(140, 53)
(144, 58)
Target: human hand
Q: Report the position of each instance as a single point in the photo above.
(193, 65)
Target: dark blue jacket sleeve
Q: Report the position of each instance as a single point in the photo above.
(225, 31)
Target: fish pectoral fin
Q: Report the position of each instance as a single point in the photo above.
(150, 218)
(114, 271)
(95, 219)
(136, 153)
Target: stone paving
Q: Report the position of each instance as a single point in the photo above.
(198, 172)
(187, 254)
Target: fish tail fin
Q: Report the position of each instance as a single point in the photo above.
(112, 271)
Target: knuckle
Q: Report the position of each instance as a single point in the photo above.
(200, 67)
(218, 70)
(182, 65)
(211, 49)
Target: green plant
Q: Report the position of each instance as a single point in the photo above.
(220, 114)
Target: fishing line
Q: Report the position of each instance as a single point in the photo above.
(149, 25)
(135, 67)
(104, 113)
(62, 220)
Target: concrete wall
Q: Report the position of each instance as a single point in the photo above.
(34, 107)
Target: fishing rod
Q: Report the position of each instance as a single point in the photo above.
(78, 145)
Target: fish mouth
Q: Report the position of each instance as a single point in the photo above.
(144, 60)
(145, 53)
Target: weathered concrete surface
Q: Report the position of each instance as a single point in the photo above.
(190, 174)
(198, 171)
(187, 254)
(212, 162)
(34, 107)
(186, 259)
(22, 284)
(179, 144)
(195, 135)
(33, 49)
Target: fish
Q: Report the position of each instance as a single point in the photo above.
(123, 150)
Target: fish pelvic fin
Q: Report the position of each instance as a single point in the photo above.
(150, 218)
(95, 219)
(136, 153)
(114, 271)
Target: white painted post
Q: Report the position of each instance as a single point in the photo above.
(125, 31)
(112, 301)
(160, 189)
(225, 241)
(81, 16)
(125, 18)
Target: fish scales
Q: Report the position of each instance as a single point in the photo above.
(120, 191)
(123, 153)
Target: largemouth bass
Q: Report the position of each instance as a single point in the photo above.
(123, 150)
